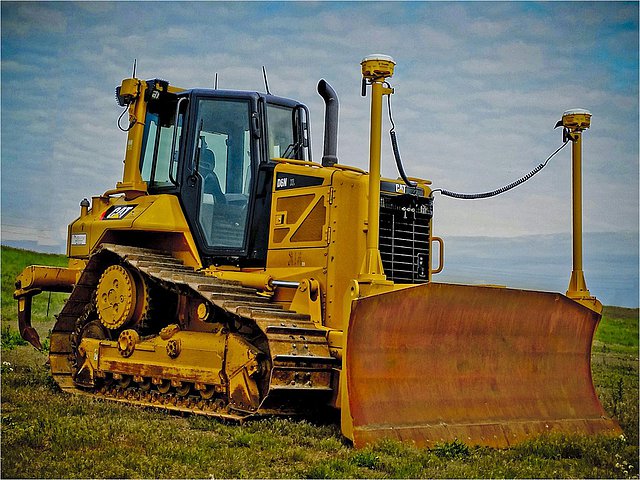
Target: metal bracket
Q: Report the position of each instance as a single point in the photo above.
(307, 300)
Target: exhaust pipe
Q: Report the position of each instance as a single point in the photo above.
(330, 150)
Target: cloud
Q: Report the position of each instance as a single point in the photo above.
(476, 95)
(25, 19)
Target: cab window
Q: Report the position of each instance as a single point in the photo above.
(282, 137)
(156, 148)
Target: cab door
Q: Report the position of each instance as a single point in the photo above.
(222, 157)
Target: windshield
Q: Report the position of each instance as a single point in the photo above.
(223, 162)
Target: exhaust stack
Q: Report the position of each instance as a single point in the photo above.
(330, 149)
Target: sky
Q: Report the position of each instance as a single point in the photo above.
(478, 86)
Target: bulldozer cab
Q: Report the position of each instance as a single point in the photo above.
(213, 148)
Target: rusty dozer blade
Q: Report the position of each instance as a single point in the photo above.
(484, 365)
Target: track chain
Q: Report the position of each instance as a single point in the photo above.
(301, 366)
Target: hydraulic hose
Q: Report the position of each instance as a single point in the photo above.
(396, 150)
(396, 154)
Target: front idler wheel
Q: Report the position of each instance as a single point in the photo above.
(122, 297)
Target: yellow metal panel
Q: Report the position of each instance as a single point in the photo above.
(347, 214)
(157, 218)
(200, 357)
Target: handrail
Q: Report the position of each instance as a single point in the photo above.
(440, 241)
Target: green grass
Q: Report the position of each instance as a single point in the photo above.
(48, 434)
(11, 338)
(14, 260)
(619, 331)
(44, 307)
(614, 363)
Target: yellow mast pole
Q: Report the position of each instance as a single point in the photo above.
(575, 122)
(577, 282)
(375, 69)
(133, 90)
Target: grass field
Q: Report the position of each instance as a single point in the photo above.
(48, 434)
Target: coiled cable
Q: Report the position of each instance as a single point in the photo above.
(506, 188)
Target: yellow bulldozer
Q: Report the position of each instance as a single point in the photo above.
(230, 275)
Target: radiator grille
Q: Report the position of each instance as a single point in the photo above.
(404, 237)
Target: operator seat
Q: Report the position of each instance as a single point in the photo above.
(211, 182)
